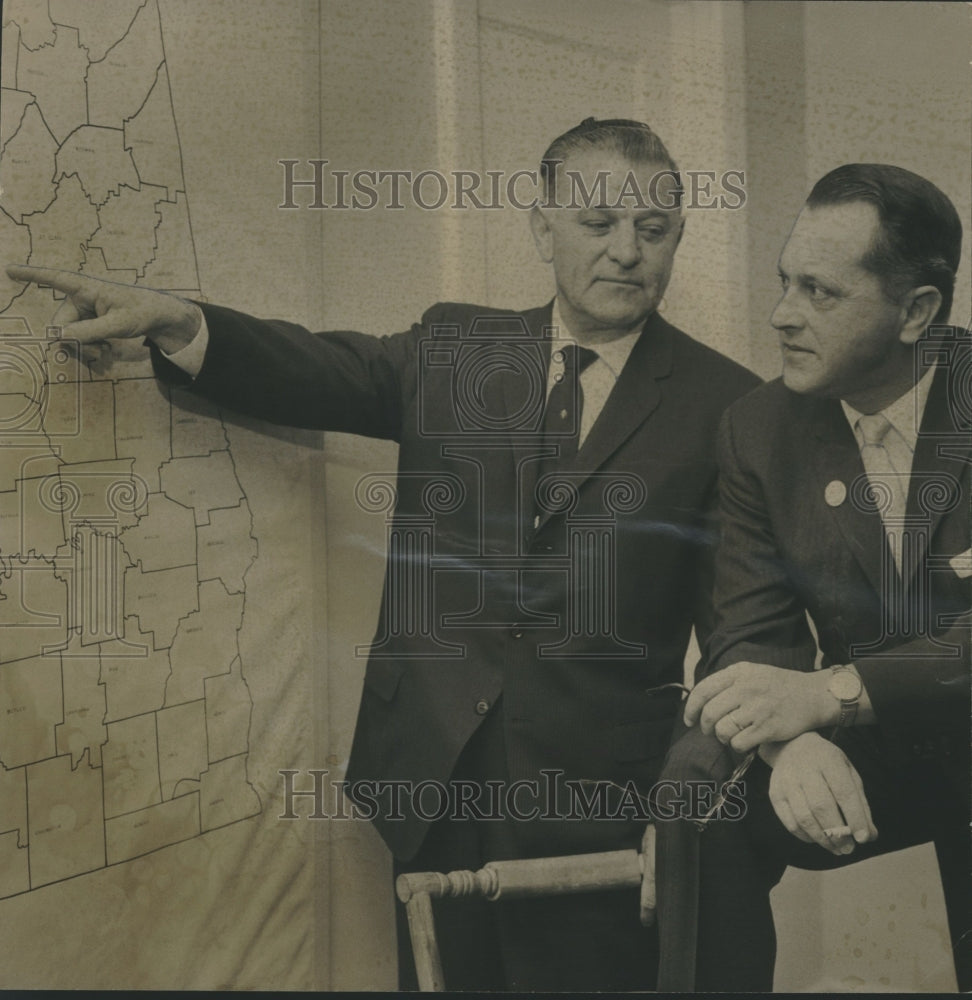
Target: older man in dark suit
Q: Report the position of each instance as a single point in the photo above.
(549, 552)
(845, 501)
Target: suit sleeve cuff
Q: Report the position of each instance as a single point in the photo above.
(190, 358)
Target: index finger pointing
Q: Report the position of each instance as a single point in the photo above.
(64, 281)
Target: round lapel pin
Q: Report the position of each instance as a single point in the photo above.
(835, 493)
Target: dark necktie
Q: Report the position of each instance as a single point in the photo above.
(562, 417)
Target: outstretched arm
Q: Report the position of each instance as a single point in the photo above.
(270, 369)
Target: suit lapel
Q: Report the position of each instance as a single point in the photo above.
(525, 447)
(632, 399)
(628, 405)
(838, 474)
(941, 462)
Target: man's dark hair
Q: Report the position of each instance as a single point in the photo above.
(635, 141)
(920, 239)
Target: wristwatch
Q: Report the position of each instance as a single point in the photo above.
(846, 687)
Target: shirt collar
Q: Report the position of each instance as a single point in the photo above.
(613, 353)
(905, 413)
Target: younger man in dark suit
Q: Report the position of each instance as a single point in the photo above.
(844, 497)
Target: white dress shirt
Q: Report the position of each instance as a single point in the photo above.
(599, 377)
(894, 463)
(190, 358)
(904, 415)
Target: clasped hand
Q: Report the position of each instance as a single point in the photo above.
(817, 793)
(747, 704)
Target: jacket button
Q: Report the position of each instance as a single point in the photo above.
(517, 633)
(482, 706)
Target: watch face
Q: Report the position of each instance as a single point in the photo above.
(845, 686)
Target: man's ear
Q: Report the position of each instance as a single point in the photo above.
(542, 234)
(919, 306)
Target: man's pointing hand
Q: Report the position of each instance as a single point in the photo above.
(95, 311)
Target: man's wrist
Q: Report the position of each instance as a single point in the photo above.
(842, 696)
(827, 707)
(769, 752)
(181, 328)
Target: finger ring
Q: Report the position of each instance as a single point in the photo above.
(833, 832)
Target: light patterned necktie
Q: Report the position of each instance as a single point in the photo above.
(887, 482)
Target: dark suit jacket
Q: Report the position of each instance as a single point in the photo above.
(787, 552)
(462, 393)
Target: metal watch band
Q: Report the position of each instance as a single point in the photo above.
(848, 706)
